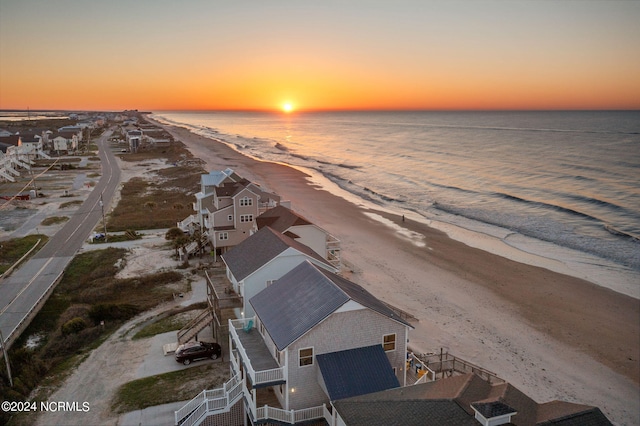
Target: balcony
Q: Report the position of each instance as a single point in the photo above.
(249, 350)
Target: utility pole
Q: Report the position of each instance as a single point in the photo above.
(104, 222)
(6, 357)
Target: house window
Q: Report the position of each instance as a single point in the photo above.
(389, 342)
(223, 236)
(230, 218)
(246, 201)
(246, 218)
(306, 357)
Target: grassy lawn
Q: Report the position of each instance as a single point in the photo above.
(53, 220)
(85, 308)
(162, 200)
(169, 323)
(12, 250)
(175, 386)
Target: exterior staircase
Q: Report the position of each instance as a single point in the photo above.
(195, 326)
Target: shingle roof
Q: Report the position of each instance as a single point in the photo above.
(591, 417)
(464, 390)
(362, 296)
(403, 413)
(493, 409)
(280, 218)
(296, 302)
(261, 247)
(305, 296)
(356, 372)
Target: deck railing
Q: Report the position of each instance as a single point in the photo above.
(290, 416)
(445, 364)
(257, 377)
(209, 401)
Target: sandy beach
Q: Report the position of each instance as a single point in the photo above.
(552, 335)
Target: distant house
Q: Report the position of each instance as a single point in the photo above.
(460, 401)
(64, 142)
(263, 258)
(134, 139)
(290, 223)
(11, 140)
(226, 208)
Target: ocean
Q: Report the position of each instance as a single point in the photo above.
(571, 178)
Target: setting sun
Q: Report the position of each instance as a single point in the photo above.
(287, 107)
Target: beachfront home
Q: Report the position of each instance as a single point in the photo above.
(226, 208)
(292, 224)
(263, 258)
(316, 337)
(460, 401)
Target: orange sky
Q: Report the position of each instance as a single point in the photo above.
(153, 55)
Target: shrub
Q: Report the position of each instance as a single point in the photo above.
(112, 312)
(73, 326)
(173, 233)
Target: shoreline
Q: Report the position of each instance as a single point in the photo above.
(488, 237)
(552, 335)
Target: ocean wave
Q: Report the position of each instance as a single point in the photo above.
(281, 147)
(620, 233)
(546, 205)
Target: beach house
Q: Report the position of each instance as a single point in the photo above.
(315, 337)
(292, 224)
(464, 400)
(226, 207)
(263, 258)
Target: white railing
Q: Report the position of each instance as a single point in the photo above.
(186, 222)
(290, 416)
(208, 401)
(424, 373)
(257, 377)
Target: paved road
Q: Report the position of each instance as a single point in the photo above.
(21, 291)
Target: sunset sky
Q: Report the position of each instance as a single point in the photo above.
(204, 54)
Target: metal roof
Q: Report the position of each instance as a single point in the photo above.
(356, 372)
(215, 178)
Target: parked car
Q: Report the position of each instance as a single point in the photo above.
(192, 351)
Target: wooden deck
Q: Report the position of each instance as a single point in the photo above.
(253, 344)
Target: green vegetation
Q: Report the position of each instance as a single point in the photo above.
(85, 308)
(12, 250)
(128, 235)
(71, 204)
(53, 220)
(163, 325)
(153, 203)
(169, 387)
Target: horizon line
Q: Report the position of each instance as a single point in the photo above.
(316, 110)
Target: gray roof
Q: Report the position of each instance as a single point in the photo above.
(403, 413)
(296, 302)
(356, 372)
(261, 247)
(303, 297)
